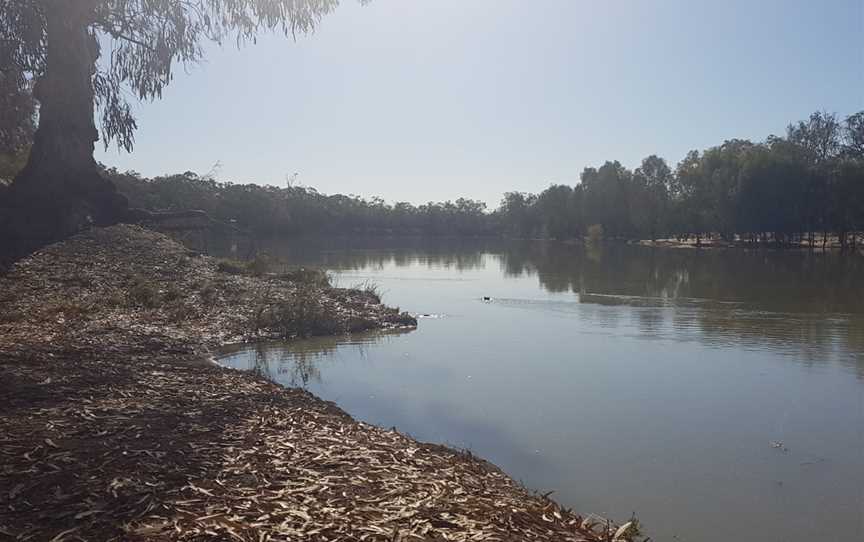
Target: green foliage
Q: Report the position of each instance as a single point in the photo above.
(146, 41)
(11, 163)
(778, 190)
(17, 112)
(17, 122)
(269, 211)
(595, 233)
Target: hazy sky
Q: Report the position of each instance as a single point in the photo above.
(420, 100)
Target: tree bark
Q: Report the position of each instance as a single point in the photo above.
(61, 190)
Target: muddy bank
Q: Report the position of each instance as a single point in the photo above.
(114, 430)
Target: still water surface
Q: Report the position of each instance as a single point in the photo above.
(719, 395)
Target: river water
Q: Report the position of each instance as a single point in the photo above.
(719, 395)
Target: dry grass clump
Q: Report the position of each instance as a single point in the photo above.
(263, 265)
(143, 293)
(302, 314)
(259, 266)
(317, 278)
(209, 293)
(231, 267)
(371, 289)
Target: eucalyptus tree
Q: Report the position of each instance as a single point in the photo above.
(518, 214)
(821, 136)
(87, 55)
(558, 211)
(608, 198)
(692, 197)
(654, 177)
(853, 145)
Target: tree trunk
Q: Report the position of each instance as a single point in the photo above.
(61, 191)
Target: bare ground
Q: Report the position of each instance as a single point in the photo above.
(113, 428)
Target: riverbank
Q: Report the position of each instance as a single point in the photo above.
(117, 427)
(830, 244)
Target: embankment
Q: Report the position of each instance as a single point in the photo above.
(113, 429)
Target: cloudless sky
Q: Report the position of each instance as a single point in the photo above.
(419, 100)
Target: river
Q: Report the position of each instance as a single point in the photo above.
(717, 394)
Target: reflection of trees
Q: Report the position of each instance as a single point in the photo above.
(298, 363)
(771, 281)
(302, 367)
(787, 300)
(363, 253)
(795, 301)
(280, 363)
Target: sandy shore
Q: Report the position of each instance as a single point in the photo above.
(112, 429)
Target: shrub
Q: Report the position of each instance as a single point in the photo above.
(301, 315)
(209, 293)
(231, 267)
(143, 293)
(309, 277)
(371, 289)
(595, 233)
(171, 293)
(260, 265)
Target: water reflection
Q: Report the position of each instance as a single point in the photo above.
(784, 281)
(299, 363)
(807, 304)
(793, 281)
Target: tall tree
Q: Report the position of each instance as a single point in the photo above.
(607, 198)
(820, 135)
(854, 135)
(58, 45)
(654, 177)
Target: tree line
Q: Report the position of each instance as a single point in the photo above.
(806, 187)
(271, 211)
